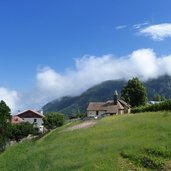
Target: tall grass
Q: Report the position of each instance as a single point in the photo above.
(122, 142)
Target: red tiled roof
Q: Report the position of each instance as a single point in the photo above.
(16, 120)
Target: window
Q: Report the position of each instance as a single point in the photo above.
(35, 120)
(97, 112)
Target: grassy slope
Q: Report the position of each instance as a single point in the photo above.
(96, 148)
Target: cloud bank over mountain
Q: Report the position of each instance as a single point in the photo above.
(89, 71)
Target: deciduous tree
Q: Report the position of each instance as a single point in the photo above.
(53, 120)
(5, 124)
(134, 93)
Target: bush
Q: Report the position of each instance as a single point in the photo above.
(53, 120)
(22, 130)
(79, 115)
(163, 106)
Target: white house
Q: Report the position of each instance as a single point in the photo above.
(32, 116)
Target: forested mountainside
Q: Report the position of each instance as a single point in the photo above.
(104, 91)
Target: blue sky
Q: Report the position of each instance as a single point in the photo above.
(53, 48)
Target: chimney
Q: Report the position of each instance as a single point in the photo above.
(40, 111)
(115, 98)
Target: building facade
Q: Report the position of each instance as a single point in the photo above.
(32, 117)
(111, 107)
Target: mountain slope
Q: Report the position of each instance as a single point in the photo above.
(103, 92)
(74, 105)
(123, 142)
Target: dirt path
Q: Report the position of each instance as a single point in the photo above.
(82, 125)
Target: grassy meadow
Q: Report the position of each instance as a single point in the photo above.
(122, 142)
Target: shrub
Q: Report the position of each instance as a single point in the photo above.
(163, 106)
(21, 130)
(78, 115)
(53, 120)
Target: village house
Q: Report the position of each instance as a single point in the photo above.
(30, 116)
(111, 107)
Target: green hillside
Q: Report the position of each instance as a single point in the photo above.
(122, 142)
(103, 92)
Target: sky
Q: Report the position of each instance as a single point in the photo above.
(50, 49)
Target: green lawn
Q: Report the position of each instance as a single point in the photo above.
(125, 142)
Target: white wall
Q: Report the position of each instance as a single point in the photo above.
(39, 121)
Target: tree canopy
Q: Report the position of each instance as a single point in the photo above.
(53, 120)
(5, 124)
(134, 93)
(158, 97)
(21, 130)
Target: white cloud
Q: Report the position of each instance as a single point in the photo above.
(157, 32)
(135, 26)
(89, 71)
(92, 70)
(138, 26)
(120, 27)
(10, 97)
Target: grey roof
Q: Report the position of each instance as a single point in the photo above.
(124, 103)
(108, 106)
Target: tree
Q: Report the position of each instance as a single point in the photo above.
(158, 97)
(21, 130)
(5, 124)
(53, 120)
(134, 93)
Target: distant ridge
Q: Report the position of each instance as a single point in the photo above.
(104, 91)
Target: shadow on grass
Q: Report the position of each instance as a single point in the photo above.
(150, 158)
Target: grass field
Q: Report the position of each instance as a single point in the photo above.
(125, 142)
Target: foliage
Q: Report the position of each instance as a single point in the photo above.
(134, 93)
(79, 115)
(144, 139)
(21, 130)
(53, 120)
(5, 123)
(163, 106)
(158, 97)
